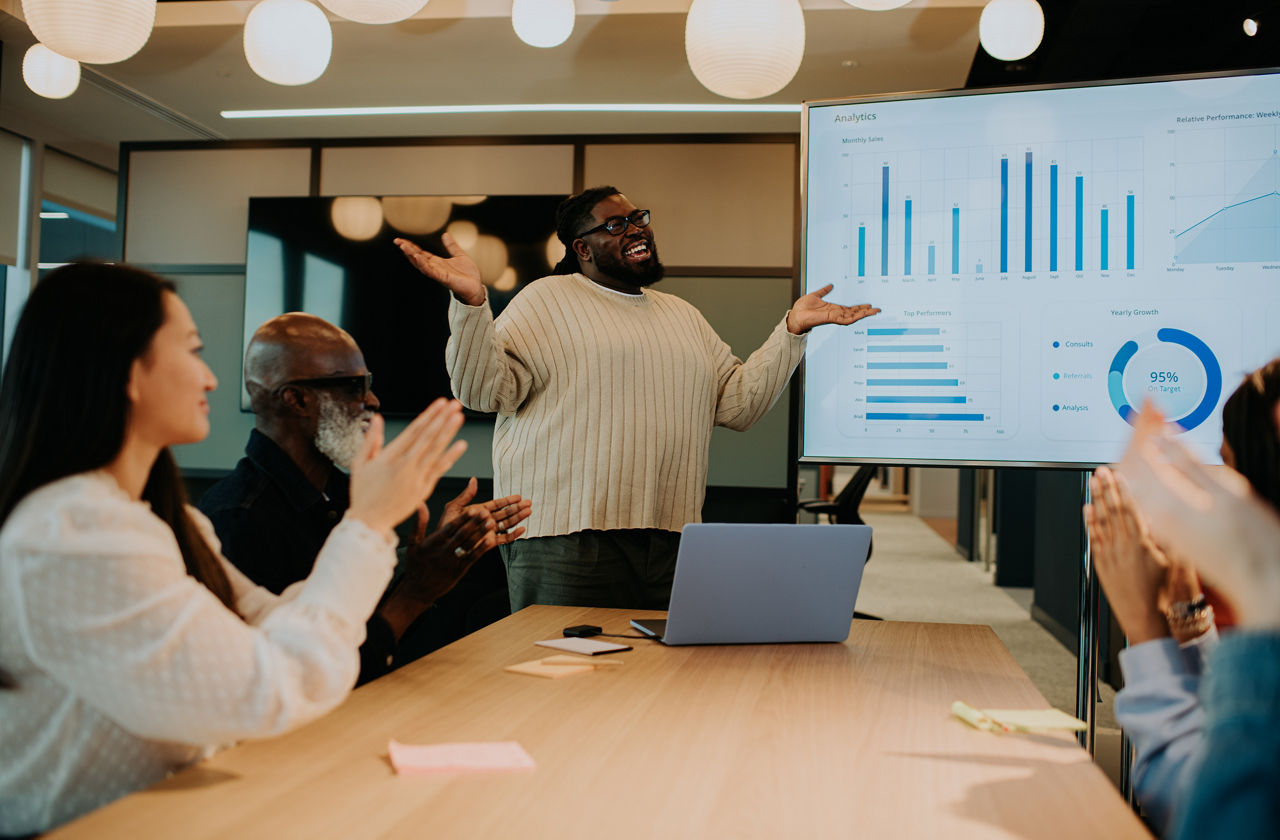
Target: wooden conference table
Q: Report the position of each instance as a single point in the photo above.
(769, 741)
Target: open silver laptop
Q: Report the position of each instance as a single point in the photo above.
(760, 584)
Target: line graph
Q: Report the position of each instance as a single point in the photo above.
(1227, 211)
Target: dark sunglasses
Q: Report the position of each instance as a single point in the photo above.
(352, 387)
(615, 225)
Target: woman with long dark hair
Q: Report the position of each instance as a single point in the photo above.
(128, 646)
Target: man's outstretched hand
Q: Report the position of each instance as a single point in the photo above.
(812, 311)
(458, 273)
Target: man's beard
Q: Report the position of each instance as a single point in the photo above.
(340, 431)
(645, 274)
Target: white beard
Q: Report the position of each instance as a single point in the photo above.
(339, 432)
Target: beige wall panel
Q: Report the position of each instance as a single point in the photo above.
(192, 205)
(714, 204)
(743, 311)
(11, 188)
(447, 170)
(81, 186)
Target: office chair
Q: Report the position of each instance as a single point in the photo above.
(843, 509)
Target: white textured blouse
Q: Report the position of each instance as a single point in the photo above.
(129, 668)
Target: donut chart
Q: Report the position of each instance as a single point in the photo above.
(1171, 366)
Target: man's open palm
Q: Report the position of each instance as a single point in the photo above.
(812, 311)
(458, 273)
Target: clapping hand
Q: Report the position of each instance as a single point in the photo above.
(1131, 567)
(437, 561)
(1213, 517)
(388, 483)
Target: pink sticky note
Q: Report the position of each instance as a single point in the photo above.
(477, 757)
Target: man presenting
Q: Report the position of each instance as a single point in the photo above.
(312, 399)
(606, 394)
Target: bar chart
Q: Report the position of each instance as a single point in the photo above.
(941, 377)
(1049, 207)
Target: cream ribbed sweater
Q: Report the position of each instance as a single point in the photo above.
(606, 401)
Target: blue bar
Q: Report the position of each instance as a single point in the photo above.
(1103, 241)
(911, 383)
(862, 250)
(1026, 257)
(920, 399)
(1004, 215)
(906, 241)
(904, 331)
(1053, 217)
(884, 221)
(906, 365)
(1079, 223)
(955, 240)
(979, 269)
(905, 348)
(1128, 234)
(872, 415)
(931, 262)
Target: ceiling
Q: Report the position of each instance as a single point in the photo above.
(628, 51)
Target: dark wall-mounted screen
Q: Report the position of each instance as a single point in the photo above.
(336, 258)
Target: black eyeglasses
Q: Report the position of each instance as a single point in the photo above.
(615, 225)
(352, 387)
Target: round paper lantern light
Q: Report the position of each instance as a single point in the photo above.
(287, 42)
(490, 255)
(1011, 29)
(542, 23)
(356, 217)
(465, 233)
(374, 11)
(416, 214)
(877, 5)
(744, 49)
(92, 31)
(51, 75)
(555, 250)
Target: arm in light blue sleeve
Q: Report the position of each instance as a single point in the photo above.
(1236, 793)
(1159, 708)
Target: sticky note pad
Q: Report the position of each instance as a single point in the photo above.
(589, 647)
(1043, 719)
(1022, 720)
(538, 668)
(478, 757)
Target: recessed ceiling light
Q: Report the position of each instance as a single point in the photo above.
(569, 107)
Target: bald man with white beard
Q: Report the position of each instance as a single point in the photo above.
(312, 399)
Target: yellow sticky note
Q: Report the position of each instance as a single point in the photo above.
(974, 717)
(1036, 719)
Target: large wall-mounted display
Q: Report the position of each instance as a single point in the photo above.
(336, 258)
(1046, 260)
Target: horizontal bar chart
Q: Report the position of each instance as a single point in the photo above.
(874, 415)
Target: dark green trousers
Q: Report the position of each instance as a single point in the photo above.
(626, 568)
